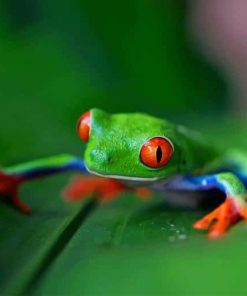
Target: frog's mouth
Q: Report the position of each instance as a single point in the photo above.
(124, 178)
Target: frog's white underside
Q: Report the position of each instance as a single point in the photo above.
(159, 184)
(124, 177)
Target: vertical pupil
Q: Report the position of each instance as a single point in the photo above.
(159, 154)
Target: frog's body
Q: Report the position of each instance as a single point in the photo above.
(136, 150)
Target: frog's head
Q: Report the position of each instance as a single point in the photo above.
(129, 146)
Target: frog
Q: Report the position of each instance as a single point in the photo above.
(143, 154)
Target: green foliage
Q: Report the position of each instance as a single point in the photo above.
(126, 247)
(59, 59)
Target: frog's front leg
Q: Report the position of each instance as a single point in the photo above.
(9, 186)
(104, 189)
(11, 178)
(229, 212)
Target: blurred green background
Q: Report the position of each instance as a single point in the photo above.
(57, 60)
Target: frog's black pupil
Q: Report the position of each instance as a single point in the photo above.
(159, 154)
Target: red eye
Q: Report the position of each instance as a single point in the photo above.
(83, 126)
(156, 152)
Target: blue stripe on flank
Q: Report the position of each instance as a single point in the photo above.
(206, 182)
(74, 165)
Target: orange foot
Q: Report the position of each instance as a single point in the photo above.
(219, 220)
(102, 188)
(9, 188)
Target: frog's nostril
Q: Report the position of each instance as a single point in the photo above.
(100, 157)
(109, 159)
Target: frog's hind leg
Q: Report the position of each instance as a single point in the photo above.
(104, 189)
(226, 214)
(236, 162)
(243, 177)
(230, 211)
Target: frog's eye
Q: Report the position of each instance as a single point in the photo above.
(83, 126)
(156, 152)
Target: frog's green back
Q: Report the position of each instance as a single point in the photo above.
(200, 152)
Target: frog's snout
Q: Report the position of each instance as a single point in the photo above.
(110, 159)
(98, 159)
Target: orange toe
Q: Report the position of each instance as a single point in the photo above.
(206, 221)
(20, 204)
(214, 234)
(103, 189)
(243, 212)
(219, 228)
(201, 224)
(222, 218)
(9, 186)
(143, 193)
